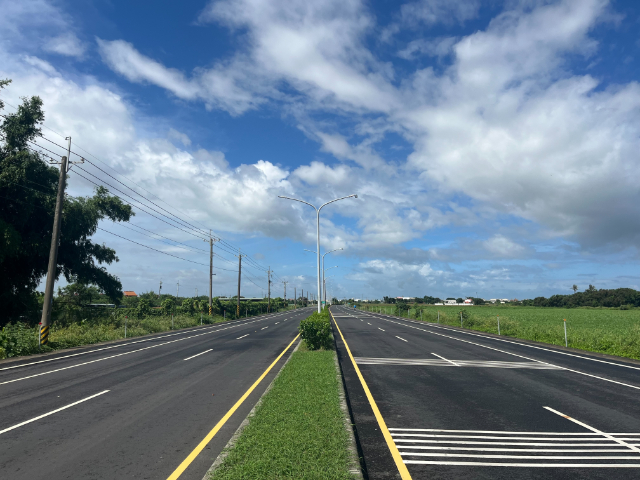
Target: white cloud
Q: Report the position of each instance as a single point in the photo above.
(503, 247)
(66, 44)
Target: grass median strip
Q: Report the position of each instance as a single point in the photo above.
(298, 430)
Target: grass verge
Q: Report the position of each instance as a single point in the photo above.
(298, 431)
(602, 330)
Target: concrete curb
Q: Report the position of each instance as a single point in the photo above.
(231, 443)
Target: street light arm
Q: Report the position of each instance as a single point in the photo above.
(335, 250)
(341, 198)
(309, 251)
(301, 201)
(335, 266)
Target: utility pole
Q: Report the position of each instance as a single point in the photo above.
(269, 289)
(285, 292)
(178, 293)
(160, 289)
(239, 277)
(302, 297)
(211, 274)
(295, 299)
(45, 321)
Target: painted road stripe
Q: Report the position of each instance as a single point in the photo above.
(234, 323)
(52, 412)
(277, 323)
(381, 329)
(595, 430)
(120, 354)
(368, 323)
(402, 468)
(196, 451)
(442, 358)
(547, 450)
(456, 363)
(442, 327)
(552, 442)
(402, 339)
(528, 457)
(498, 431)
(198, 354)
(516, 355)
(528, 465)
(263, 328)
(243, 336)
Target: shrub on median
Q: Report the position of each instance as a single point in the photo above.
(315, 330)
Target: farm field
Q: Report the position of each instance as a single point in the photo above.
(603, 330)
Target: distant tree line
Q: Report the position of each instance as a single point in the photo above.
(591, 297)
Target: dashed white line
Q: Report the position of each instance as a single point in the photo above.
(263, 328)
(242, 336)
(52, 412)
(402, 339)
(368, 323)
(198, 354)
(277, 323)
(381, 329)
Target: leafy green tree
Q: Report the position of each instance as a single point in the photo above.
(574, 288)
(187, 306)
(144, 308)
(167, 306)
(28, 188)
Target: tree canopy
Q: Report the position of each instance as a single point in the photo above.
(28, 188)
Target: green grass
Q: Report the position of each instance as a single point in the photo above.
(604, 330)
(298, 431)
(17, 340)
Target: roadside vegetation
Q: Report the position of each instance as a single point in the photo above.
(82, 316)
(298, 430)
(613, 331)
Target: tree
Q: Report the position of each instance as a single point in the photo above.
(574, 288)
(28, 187)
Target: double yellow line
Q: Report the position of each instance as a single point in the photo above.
(402, 468)
(196, 451)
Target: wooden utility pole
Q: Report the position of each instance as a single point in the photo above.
(211, 274)
(285, 292)
(269, 289)
(53, 255)
(239, 277)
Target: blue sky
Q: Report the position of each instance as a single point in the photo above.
(493, 145)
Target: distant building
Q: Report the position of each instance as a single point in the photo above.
(468, 301)
(405, 298)
(129, 293)
(450, 302)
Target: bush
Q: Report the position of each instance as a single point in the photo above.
(315, 330)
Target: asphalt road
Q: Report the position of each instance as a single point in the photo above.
(148, 401)
(462, 404)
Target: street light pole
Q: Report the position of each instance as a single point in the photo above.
(318, 232)
(323, 269)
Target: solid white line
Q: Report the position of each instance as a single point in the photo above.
(52, 412)
(119, 354)
(381, 329)
(498, 431)
(522, 344)
(550, 450)
(242, 336)
(490, 437)
(531, 457)
(446, 360)
(595, 430)
(516, 355)
(402, 339)
(234, 323)
(530, 465)
(198, 354)
(528, 444)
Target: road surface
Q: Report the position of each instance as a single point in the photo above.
(463, 404)
(136, 408)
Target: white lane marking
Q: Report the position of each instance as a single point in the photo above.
(494, 443)
(277, 323)
(263, 328)
(528, 457)
(368, 323)
(500, 439)
(233, 323)
(381, 329)
(120, 354)
(508, 432)
(456, 363)
(441, 327)
(595, 430)
(516, 355)
(550, 450)
(442, 358)
(529, 465)
(402, 339)
(242, 336)
(198, 354)
(52, 412)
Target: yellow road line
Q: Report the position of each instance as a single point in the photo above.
(402, 468)
(196, 451)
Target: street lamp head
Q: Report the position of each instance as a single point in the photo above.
(356, 195)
